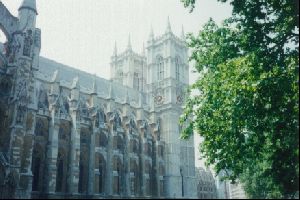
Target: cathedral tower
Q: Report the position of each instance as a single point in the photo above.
(167, 80)
(128, 68)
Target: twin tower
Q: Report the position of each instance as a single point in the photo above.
(166, 58)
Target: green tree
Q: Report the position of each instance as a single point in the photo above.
(247, 109)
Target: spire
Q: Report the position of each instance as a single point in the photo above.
(55, 77)
(29, 4)
(75, 84)
(110, 92)
(140, 104)
(127, 101)
(129, 47)
(182, 33)
(151, 36)
(95, 88)
(115, 49)
(168, 26)
(143, 51)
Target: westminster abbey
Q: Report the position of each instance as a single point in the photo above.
(69, 134)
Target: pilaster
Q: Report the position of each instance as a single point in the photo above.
(52, 152)
(92, 163)
(74, 154)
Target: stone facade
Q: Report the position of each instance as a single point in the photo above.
(206, 187)
(222, 186)
(237, 191)
(67, 133)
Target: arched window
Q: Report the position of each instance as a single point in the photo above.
(161, 151)
(161, 180)
(36, 174)
(59, 173)
(36, 168)
(102, 140)
(83, 169)
(43, 100)
(80, 184)
(177, 68)
(136, 81)
(134, 146)
(160, 68)
(118, 143)
(100, 174)
(117, 167)
(147, 149)
(39, 128)
(147, 167)
(133, 177)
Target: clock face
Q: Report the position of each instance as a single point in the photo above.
(179, 99)
(158, 99)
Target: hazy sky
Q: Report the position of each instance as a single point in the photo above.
(82, 33)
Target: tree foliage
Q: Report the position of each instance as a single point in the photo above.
(247, 109)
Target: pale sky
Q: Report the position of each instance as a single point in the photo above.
(82, 33)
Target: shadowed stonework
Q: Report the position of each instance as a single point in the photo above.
(66, 133)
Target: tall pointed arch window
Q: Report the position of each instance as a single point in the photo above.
(177, 68)
(160, 68)
(136, 81)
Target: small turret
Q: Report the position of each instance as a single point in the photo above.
(54, 90)
(29, 4)
(110, 92)
(169, 29)
(115, 50)
(27, 15)
(75, 90)
(151, 35)
(94, 88)
(75, 84)
(143, 50)
(93, 97)
(55, 82)
(127, 100)
(129, 47)
(182, 33)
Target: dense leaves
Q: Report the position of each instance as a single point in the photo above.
(247, 107)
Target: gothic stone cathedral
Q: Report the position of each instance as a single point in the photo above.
(66, 133)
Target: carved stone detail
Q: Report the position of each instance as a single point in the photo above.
(28, 42)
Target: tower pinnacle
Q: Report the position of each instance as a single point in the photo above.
(168, 26)
(129, 47)
(182, 33)
(151, 36)
(143, 51)
(94, 88)
(29, 4)
(115, 49)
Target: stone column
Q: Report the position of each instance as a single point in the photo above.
(92, 163)
(26, 173)
(155, 170)
(109, 165)
(52, 152)
(73, 178)
(15, 161)
(126, 161)
(142, 168)
(22, 100)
